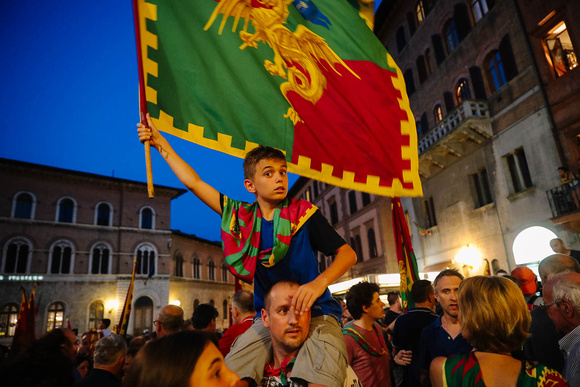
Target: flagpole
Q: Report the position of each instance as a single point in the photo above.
(143, 100)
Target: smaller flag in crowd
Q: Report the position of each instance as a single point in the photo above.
(487, 270)
(124, 321)
(421, 230)
(24, 333)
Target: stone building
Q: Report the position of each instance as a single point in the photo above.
(77, 234)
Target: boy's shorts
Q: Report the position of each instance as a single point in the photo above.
(322, 359)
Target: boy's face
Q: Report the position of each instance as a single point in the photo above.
(270, 181)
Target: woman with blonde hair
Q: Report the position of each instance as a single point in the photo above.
(494, 319)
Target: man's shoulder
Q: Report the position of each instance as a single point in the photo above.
(432, 328)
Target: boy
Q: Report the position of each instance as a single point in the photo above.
(274, 239)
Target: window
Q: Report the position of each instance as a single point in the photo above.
(143, 315)
(333, 211)
(23, 206)
(146, 255)
(479, 8)
(178, 265)
(437, 113)
(366, 199)
(429, 212)
(147, 218)
(519, 173)
(372, 243)
(8, 319)
(462, 92)
(96, 314)
(61, 257)
(409, 81)
(225, 309)
(401, 40)
(359, 250)
(211, 270)
(560, 48)
(482, 194)
(100, 262)
(421, 69)
(438, 48)
(352, 202)
(419, 128)
(66, 212)
(315, 187)
(420, 12)
(224, 272)
(477, 82)
(16, 254)
(55, 316)
(354, 244)
(103, 214)
(196, 268)
(428, 62)
(451, 38)
(195, 304)
(412, 23)
(495, 73)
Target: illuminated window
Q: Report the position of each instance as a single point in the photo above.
(100, 259)
(479, 8)
(462, 91)
(61, 258)
(55, 318)
(96, 314)
(420, 12)
(437, 113)
(23, 206)
(8, 319)
(561, 51)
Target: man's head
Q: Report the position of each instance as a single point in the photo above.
(446, 285)
(557, 263)
(169, 320)
(288, 330)
(423, 294)
(526, 279)
(394, 298)
(558, 246)
(110, 353)
(562, 301)
(105, 323)
(203, 318)
(265, 171)
(242, 305)
(363, 299)
(129, 356)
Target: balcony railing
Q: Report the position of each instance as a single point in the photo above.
(464, 111)
(561, 200)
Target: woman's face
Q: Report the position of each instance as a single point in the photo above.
(83, 368)
(211, 371)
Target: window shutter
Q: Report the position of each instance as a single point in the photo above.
(438, 48)
(477, 82)
(507, 58)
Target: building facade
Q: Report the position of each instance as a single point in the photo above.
(77, 235)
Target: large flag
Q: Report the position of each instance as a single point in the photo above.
(304, 76)
(405, 254)
(124, 321)
(24, 333)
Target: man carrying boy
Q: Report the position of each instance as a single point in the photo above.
(273, 239)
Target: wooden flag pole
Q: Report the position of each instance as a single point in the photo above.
(143, 100)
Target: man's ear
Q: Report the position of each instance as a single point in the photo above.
(567, 309)
(249, 186)
(265, 318)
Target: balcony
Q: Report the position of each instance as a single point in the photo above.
(461, 131)
(564, 210)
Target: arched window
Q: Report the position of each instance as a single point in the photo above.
(366, 199)
(196, 268)
(147, 218)
(478, 8)
(23, 205)
(17, 252)
(195, 304)
(146, 259)
(8, 319)
(420, 13)
(212, 303)
(143, 315)
(61, 258)
(451, 37)
(224, 272)
(462, 92)
(96, 314)
(66, 210)
(421, 70)
(359, 250)
(401, 40)
(409, 81)
(100, 261)
(372, 243)
(428, 62)
(437, 113)
(55, 316)
(495, 73)
(178, 264)
(225, 309)
(103, 214)
(211, 270)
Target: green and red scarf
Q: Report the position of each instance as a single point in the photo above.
(352, 332)
(241, 233)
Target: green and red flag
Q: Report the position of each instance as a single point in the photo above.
(405, 254)
(24, 333)
(421, 230)
(307, 77)
(124, 321)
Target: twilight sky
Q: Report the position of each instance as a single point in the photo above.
(69, 99)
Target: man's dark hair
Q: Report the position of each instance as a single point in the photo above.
(106, 322)
(421, 290)
(392, 297)
(288, 281)
(447, 273)
(243, 301)
(360, 295)
(202, 316)
(563, 169)
(254, 156)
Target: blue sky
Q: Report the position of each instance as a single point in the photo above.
(69, 99)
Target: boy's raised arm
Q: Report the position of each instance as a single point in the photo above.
(308, 293)
(187, 175)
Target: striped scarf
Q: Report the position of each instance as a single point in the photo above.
(352, 332)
